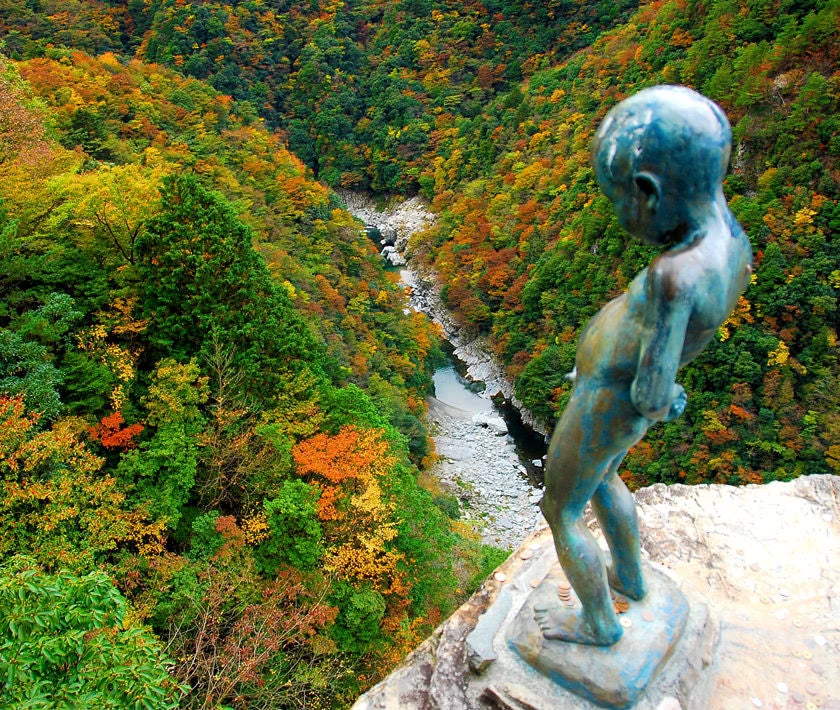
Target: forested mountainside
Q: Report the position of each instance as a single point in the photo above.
(364, 91)
(210, 411)
(528, 248)
(210, 397)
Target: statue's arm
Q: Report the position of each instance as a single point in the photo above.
(655, 392)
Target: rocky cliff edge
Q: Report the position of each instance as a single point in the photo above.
(764, 559)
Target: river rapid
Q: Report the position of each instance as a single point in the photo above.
(494, 476)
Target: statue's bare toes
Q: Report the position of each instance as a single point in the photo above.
(555, 624)
(563, 624)
(545, 619)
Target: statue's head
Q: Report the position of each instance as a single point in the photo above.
(659, 154)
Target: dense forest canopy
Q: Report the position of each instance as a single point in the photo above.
(211, 400)
(193, 337)
(361, 90)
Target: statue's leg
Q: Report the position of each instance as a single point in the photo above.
(583, 564)
(572, 477)
(615, 509)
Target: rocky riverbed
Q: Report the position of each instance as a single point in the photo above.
(477, 461)
(480, 467)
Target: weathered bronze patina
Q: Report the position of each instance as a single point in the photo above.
(660, 156)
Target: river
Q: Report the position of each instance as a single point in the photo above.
(487, 459)
(480, 464)
(454, 389)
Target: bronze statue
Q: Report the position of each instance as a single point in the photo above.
(660, 156)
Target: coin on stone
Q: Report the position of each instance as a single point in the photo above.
(525, 555)
(564, 586)
(621, 605)
(500, 576)
(647, 615)
(757, 702)
(782, 687)
(534, 583)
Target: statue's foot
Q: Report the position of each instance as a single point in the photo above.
(635, 589)
(564, 624)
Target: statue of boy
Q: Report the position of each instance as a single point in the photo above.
(660, 156)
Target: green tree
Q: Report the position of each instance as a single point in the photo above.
(25, 368)
(162, 469)
(361, 610)
(203, 284)
(295, 533)
(66, 640)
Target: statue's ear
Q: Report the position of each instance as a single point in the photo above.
(648, 185)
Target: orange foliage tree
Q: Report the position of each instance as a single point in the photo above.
(111, 433)
(359, 520)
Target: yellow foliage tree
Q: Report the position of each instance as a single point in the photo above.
(56, 505)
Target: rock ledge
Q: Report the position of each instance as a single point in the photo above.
(763, 558)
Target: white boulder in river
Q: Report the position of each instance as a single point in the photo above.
(493, 423)
(392, 256)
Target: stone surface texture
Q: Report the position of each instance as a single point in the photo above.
(768, 559)
(763, 560)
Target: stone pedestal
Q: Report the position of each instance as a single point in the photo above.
(665, 657)
(609, 676)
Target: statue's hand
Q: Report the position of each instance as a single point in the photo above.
(678, 405)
